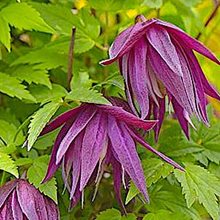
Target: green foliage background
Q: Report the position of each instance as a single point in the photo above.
(34, 87)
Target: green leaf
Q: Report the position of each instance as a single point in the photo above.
(81, 79)
(199, 184)
(39, 120)
(44, 58)
(12, 87)
(31, 74)
(7, 133)
(5, 37)
(190, 3)
(63, 20)
(164, 214)
(114, 5)
(36, 174)
(153, 3)
(87, 95)
(8, 165)
(44, 94)
(82, 90)
(112, 214)
(154, 170)
(23, 16)
(169, 197)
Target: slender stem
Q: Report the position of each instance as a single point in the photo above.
(158, 12)
(212, 15)
(70, 58)
(3, 178)
(25, 123)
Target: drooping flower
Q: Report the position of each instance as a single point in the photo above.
(157, 60)
(19, 200)
(93, 136)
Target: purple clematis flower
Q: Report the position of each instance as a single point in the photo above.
(19, 200)
(157, 60)
(93, 136)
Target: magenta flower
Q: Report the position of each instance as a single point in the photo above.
(157, 60)
(19, 200)
(93, 136)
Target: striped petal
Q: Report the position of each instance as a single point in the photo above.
(126, 40)
(53, 166)
(127, 117)
(124, 147)
(138, 75)
(93, 142)
(190, 42)
(61, 119)
(31, 201)
(16, 209)
(5, 191)
(161, 42)
(78, 125)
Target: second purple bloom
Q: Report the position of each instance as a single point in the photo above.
(94, 136)
(157, 60)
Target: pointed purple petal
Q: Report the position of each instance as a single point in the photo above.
(127, 117)
(139, 139)
(117, 172)
(179, 111)
(6, 210)
(94, 141)
(159, 112)
(52, 164)
(76, 163)
(126, 40)
(124, 146)
(16, 209)
(78, 125)
(190, 42)
(61, 119)
(160, 40)
(75, 198)
(5, 191)
(138, 75)
(31, 201)
(172, 82)
(123, 64)
(208, 88)
(195, 68)
(52, 209)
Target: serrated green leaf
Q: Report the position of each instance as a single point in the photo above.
(169, 197)
(7, 164)
(35, 175)
(12, 87)
(154, 169)
(112, 214)
(23, 16)
(153, 3)
(87, 95)
(31, 74)
(39, 120)
(5, 37)
(43, 94)
(199, 184)
(43, 58)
